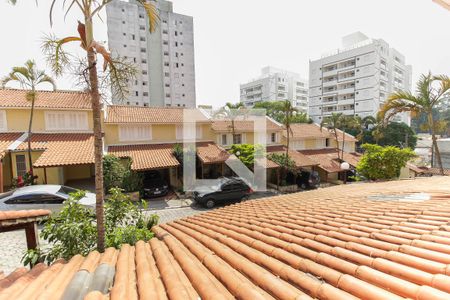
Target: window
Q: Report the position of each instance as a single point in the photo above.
(133, 37)
(167, 85)
(224, 139)
(167, 95)
(64, 120)
(165, 43)
(36, 199)
(273, 137)
(176, 65)
(164, 21)
(145, 94)
(141, 27)
(144, 83)
(166, 64)
(144, 61)
(237, 139)
(176, 44)
(165, 31)
(137, 93)
(3, 122)
(144, 72)
(176, 33)
(327, 143)
(166, 74)
(124, 46)
(135, 133)
(21, 165)
(143, 50)
(166, 53)
(141, 16)
(142, 39)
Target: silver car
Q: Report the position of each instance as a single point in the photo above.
(49, 197)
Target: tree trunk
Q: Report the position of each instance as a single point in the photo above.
(30, 124)
(337, 143)
(98, 136)
(435, 145)
(343, 144)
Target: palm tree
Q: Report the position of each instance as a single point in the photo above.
(231, 112)
(362, 125)
(431, 92)
(289, 113)
(60, 60)
(334, 123)
(29, 77)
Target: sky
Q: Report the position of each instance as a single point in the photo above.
(234, 39)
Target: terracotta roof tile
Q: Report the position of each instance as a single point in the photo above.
(45, 99)
(61, 149)
(303, 131)
(6, 139)
(138, 114)
(299, 159)
(243, 125)
(328, 158)
(210, 153)
(147, 157)
(332, 243)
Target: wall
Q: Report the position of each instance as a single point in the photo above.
(17, 120)
(78, 172)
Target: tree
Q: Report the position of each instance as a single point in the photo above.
(361, 126)
(393, 134)
(274, 110)
(383, 162)
(118, 69)
(29, 78)
(231, 112)
(431, 92)
(246, 153)
(337, 123)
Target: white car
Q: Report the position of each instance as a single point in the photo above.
(49, 197)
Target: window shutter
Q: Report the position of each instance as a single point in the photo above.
(199, 132)
(179, 132)
(3, 125)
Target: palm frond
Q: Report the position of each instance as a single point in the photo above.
(57, 58)
(152, 14)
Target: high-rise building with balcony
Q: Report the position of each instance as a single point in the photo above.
(164, 58)
(274, 85)
(357, 79)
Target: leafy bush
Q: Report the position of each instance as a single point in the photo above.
(246, 153)
(73, 231)
(286, 163)
(383, 162)
(113, 172)
(117, 173)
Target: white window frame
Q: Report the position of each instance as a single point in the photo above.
(63, 121)
(4, 122)
(130, 133)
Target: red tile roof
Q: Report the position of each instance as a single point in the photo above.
(61, 149)
(147, 157)
(243, 126)
(45, 99)
(328, 158)
(210, 153)
(331, 243)
(137, 114)
(6, 139)
(305, 131)
(299, 159)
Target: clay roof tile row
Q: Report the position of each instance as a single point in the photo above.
(334, 243)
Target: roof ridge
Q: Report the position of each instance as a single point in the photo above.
(47, 91)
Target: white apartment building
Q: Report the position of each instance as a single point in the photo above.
(274, 85)
(357, 79)
(164, 58)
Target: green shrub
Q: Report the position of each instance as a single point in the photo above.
(73, 231)
(113, 172)
(246, 153)
(383, 162)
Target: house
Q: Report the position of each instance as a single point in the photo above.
(311, 136)
(319, 145)
(148, 136)
(62, 136)
(387, 240)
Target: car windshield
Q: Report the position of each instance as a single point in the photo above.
(66, 190)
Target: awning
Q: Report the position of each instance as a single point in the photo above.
(6, 139)
(61, 149)
(210, 153)
(327, 159)
(147, 157)
(299, 159)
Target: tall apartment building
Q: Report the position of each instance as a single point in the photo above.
(357, 79)
(165, 58)
(274, 85)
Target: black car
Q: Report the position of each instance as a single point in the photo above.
(154, 185)
(227, 190)
(308, 180)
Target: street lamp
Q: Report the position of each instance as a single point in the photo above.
(345, 166)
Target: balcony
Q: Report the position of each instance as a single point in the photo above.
(348, 101)
(346, 90)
